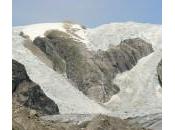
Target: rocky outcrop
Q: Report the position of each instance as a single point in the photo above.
(80, 67)
(19, 74)
(159, 72)
(102, 122)
(28, 93)
(92, 72)
(118, 59)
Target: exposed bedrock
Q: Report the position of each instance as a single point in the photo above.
(29, 94)
(92, 72)
(159, 72)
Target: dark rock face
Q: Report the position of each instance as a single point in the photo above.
(19, 74)
(29, 94)
(159, 72)
(92, 72)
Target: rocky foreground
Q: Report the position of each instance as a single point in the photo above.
(64, 80)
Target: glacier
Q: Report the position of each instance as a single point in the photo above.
(140, 91)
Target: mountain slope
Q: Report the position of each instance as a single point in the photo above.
(92, 72)
(139, 88)
(117, 61)
(56, 86)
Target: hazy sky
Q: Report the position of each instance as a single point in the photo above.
(87, 12)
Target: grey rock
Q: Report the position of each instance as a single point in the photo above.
(45, 46)
(92, 72)
(121, 58)
(29, 94)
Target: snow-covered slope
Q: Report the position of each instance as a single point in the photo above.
(39, 29)
(74, 30)
(102, 36)
(57, 87)
(139, 88)
(111, 34)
